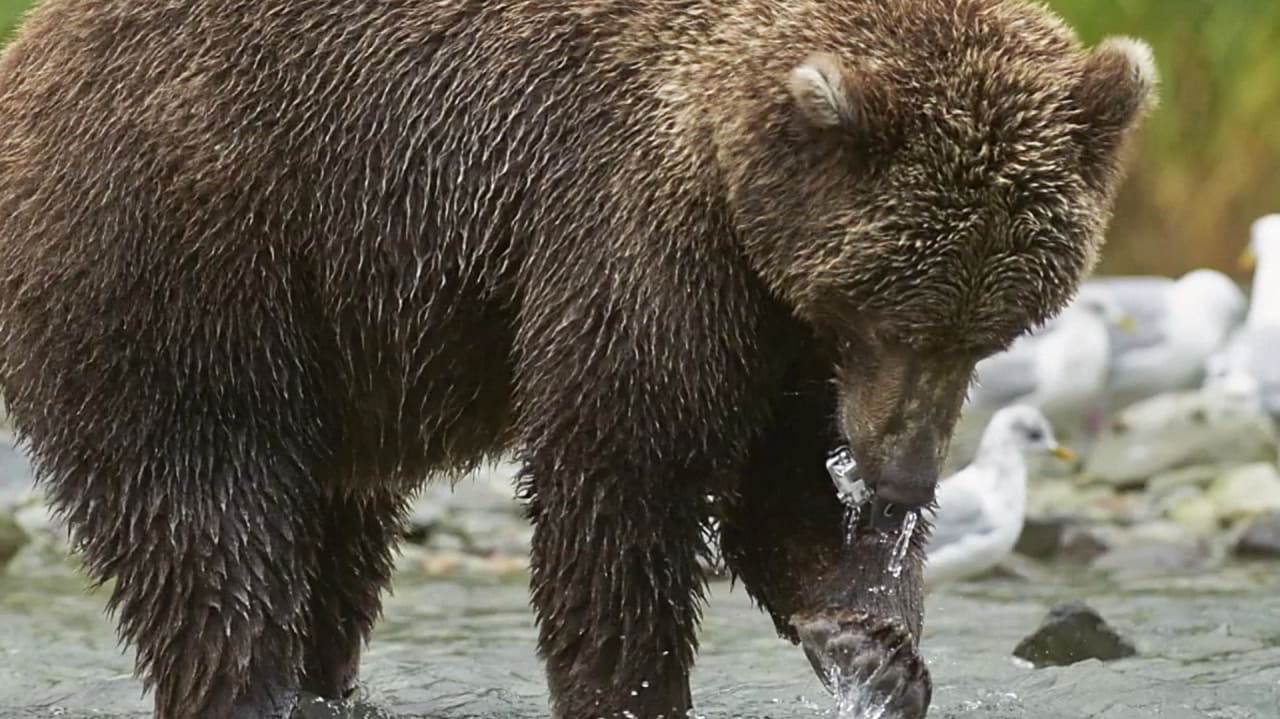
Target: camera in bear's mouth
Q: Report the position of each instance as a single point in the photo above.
(866, 509)
(869, 662)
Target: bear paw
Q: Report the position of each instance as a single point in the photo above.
(869, 662)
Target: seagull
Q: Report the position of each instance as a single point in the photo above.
(1249, 358)
(980, 509)
(1061, 369)
(1182, 323)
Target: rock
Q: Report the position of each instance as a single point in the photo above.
(1247, 491)
(1261, 539)
(1083, 544)
(37, 520)
(1041, 537)
(1072, 632)
(1158, 531)
(445, 541)
(1018, 568)
(1098, 503)
(12, 538)
(1198, 476)
(439, 564)
(423, 520)
(1147, 557)
(1195, 512)
(1179, 430)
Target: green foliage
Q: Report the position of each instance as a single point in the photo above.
(1209, 158)
(10, 13)
(1208, 161)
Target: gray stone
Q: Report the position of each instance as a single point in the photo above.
(1194, 511)
(1148, 557)
(1197, 476)
(1083, 544)
(1041, 537)
(1179, 430)
(1016, 567)
(446, 542)
(36, 519)
(1073, 632)
(1261, 539)
(1246, 491)
(423, 521)
(12, 538)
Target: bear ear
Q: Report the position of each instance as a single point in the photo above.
(830, 95)
(1117, 86)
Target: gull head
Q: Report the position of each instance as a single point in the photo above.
(1024, 428)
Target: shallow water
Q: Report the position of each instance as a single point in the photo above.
(1209, 646)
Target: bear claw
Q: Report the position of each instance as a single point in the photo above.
(867, 659)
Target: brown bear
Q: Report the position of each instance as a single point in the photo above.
(267, 266)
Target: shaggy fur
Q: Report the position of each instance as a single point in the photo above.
(265, 265)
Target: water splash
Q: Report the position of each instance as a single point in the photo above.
(898, 557)
(853, 698)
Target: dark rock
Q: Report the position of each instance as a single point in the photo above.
(1261, 538)
(1082, 544)
(1072, 632)
(1041, 537)
(12, 538)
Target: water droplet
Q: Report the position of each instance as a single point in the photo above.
(900, 547)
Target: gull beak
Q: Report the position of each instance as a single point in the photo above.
(1127, 323)
(1063, 453)
(1248, 259)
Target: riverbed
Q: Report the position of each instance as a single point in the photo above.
(463, 648)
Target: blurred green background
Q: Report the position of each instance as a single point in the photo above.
(1209, 159)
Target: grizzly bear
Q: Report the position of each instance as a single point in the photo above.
(266, 267)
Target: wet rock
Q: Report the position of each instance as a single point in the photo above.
(37, 520)
(1179, 430)
(1018, 568)
(12, 538)
(1073, 632)
(1152, 557)
(1198, 476)
(1193, 511)
(476, 515)
(422, 522)
(1041, 537)
(1261, 539)
(1246, 491)
(1079, 501)
(1158, 531)
(1082, 544)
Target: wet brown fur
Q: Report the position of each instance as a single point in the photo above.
(266, 265)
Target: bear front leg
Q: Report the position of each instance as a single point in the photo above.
(617, 588)
(354, 566)
(831, 587)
